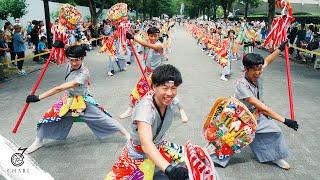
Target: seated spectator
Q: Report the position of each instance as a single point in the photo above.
(42, 47)
(301, 35)
(310, 43)
(292, 36)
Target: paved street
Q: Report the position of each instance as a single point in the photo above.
(83, 156)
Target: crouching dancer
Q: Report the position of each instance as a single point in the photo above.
(152, 117)
(76, 105)
(269, 144)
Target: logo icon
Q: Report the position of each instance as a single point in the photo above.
(17, 158)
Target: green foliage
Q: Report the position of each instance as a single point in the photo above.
(254, 3)
(12, 8)
(301, 13)
(87, 18)
(219, 12)
(54, 15)
(4, 10)
(155, 8)
(73, 3)
(18, 8)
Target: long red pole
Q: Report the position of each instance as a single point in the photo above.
(137, 59)
(290, 90)
(35, 87)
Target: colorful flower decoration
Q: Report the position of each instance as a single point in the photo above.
(229, 127)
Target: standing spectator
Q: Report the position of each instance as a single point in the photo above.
(101, 30)
(100, 33)
(8, 38)
(3, 50)
(17, 21)
(301, 35)
(29, 29)
(43, 30)
(292, 36)
(35, 37)
(19, 48)
(93, 34)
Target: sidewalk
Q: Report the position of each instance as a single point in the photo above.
(29, 66)
(309, 63)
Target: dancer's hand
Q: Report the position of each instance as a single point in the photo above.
(175, 172)
(283, 45)
(32, 98)
(129, 36)
(291, 124)
(165, 35)
(58, 44)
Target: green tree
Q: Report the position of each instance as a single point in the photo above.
(198, 8)
(250, 3)
(54, 15)
(12, 8)
(214, 8)
(18, 8)
(271, 12)
(4, 10)
(93, 5)
(226, 5)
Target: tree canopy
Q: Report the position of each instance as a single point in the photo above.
(12, 8)
(155, 8)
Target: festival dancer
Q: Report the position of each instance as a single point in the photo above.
(152, 117)
(269, 144)
(121, 53)
(154, 53)
(248, 37)
(227, 55)
(110, 49)
(76, 105)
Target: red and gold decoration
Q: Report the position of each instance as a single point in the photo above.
(229, 127)
(277, 35)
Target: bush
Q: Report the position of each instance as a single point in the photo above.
(300, 13)
(307, 19)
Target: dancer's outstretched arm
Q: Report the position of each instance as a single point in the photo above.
(144, 43)
(58, 89)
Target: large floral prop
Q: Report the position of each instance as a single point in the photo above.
(229, 127)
